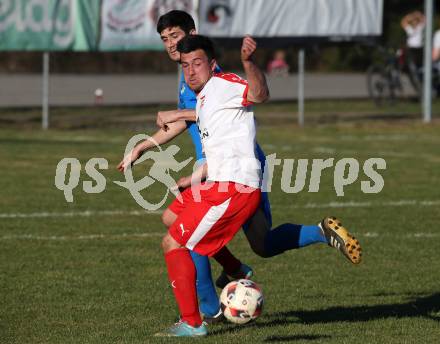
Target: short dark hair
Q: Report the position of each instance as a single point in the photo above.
(194, 42)
(176, 18)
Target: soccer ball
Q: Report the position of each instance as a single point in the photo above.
(241, 301)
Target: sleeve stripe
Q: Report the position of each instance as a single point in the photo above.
(245, 101)
(231, 77)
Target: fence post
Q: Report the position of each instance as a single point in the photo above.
(301, 72)
(427, 75)
(45, 93)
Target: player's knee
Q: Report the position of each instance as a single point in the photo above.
(168, 243)
(259, 250)
(256, 233)
(165, 220)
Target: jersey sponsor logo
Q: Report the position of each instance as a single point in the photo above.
(204, 134)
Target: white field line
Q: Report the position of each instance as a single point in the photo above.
(82, 237)
(352, 204)
(86, 213)
(419, 235)
(354, 153)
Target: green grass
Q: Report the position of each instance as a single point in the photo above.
(273, 113)
(95, 279)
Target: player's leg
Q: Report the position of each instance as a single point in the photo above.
(233, 269)
(204, 227)
(209, 301)
(232, 265)
(268, 242)
(182, 276)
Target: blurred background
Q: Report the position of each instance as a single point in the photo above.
(353, 56)
(377, 69)
(346, 81)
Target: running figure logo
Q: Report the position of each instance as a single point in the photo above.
(163, 161)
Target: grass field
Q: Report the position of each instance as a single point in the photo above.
(92, 271)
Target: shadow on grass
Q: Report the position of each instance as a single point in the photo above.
(426, 306)
(229, 328)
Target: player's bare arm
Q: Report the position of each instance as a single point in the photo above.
(258, 89)
(164, 118)
(160, 137)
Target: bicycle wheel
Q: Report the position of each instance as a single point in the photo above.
(379, 84)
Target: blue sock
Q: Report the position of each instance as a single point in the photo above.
(289, 236)
(208, 300)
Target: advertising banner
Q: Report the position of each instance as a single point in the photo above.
(290, 18)
(48, 24)
(118, 25)
(131, 24)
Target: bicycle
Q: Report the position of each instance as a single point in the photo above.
(384, 80)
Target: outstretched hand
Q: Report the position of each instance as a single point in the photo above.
(128, 160)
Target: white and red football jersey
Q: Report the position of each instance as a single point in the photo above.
(227, 129)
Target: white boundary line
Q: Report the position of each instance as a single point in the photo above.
(352, 204)
(82, 237)
(86, 213)
(419, 235)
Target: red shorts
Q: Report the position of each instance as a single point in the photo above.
(211, 214)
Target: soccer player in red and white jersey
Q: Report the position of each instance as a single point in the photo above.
(231, 192)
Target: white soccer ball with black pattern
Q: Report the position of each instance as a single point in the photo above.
(241, 301)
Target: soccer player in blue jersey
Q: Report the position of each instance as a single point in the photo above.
(264, 240)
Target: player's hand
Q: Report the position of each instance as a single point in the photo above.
(165, 117)
(128, 160)
(183, 183)
(248, 48)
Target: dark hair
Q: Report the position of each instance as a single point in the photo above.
(194, 42)
(176, 18)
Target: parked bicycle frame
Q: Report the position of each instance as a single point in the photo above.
(384, 79)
